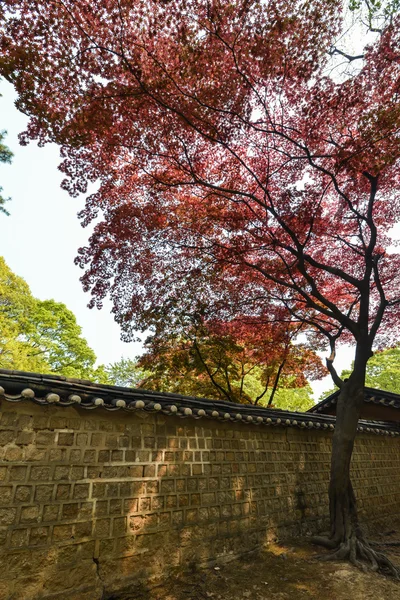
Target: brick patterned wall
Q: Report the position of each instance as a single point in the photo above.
(91, 502)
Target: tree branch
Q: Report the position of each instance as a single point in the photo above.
(349, 57)
(329, 365)
(276, 382)
(213, 381)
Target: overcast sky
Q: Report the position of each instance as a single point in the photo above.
(39, 241)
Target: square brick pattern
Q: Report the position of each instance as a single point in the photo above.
(93, 502)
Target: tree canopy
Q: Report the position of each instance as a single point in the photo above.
(233, 361)
(39, 335)
(199, 124)
(124, 372)
(383, 370)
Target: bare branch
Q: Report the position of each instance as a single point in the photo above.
(349, 57)
(215, 383)
(278, 375)
(383, 303)
(329, 365)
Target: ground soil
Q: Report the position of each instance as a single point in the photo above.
(281, 571)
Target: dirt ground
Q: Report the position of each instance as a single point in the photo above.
(281, 572)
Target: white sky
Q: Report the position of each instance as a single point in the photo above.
(39, 240)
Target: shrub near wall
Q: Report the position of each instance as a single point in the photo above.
(92, 502)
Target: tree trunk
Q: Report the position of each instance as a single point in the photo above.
(342, 504)
(346, 538)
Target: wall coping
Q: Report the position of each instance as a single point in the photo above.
(60, 391)
(371, 395)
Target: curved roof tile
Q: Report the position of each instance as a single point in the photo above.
(371, 395)
(56, 390)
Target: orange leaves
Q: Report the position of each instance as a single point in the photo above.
(234, 360)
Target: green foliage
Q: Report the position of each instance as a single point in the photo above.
(383, 372)
(56, 335)
(5, 157)
(125, 373)
(298, 399)
(39, 335)
(232, 364)
(286, 397)
(375, 13)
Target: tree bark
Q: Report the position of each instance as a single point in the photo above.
(276, 382)
(346, 538)
(342, 504)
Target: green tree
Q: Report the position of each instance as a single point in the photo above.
(56, 336)
(299, 399)
(383, 372)
(124, 372)
(5, 157)
(39, 335)
(16, 305)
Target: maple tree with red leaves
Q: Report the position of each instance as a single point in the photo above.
(228, 159)
(236, 361)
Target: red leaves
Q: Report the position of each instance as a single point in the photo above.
(232, 171)
(233, 360)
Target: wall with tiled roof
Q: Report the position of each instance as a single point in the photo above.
(101, 487)
(378, 405)
(17, 386)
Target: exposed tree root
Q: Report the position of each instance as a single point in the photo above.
(325, 542)
(346, 540)
(394, 543)
(359, 553)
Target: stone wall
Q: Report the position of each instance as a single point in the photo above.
(94, 501)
